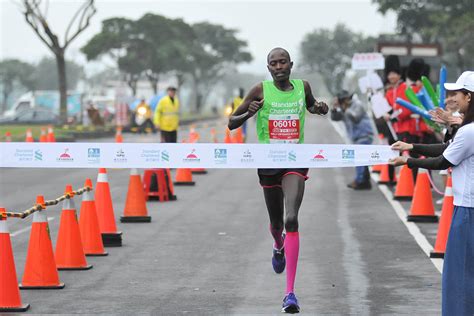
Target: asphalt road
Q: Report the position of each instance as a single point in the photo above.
(209, 252)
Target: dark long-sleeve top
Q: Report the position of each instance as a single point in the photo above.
(450, 132)
(435, 151)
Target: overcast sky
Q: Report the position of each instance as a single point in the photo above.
(263, 24)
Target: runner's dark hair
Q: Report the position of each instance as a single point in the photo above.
(278, 48)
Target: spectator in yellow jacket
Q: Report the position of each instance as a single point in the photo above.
(167, 116)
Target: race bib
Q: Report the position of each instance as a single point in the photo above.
(284, 128)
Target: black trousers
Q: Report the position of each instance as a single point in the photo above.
(169, 137)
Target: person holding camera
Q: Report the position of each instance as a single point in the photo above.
(352, 112)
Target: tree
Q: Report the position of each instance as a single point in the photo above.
(216, 51)
(450, 23)
(330, 52)
(166, 43)
(36, 18)
(116, 40)
(148, 47)
(45, 76)
(11, 71)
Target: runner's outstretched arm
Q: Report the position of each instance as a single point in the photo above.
(251, 104)
(312, 105)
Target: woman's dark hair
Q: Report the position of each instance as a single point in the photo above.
(469, 115)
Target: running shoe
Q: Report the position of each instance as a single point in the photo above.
(278, 260)
(290, 304)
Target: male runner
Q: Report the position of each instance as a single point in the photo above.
(281, 102)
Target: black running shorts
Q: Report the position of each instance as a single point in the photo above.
(270, 178)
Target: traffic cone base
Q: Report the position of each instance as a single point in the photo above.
(87, 267)
(199, 171)
(184, 183)
(422, 218)
(112, 239)
(403, 198)
(22, 308)
(135, 219)
(437, 255)
(105, 253)
(52, 287)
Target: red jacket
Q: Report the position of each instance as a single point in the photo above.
(405, 122)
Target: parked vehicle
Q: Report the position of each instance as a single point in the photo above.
(46, 100)
(36, 115)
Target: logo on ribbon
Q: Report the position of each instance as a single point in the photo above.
(192, 157)
(348, 154)
(220, 155)
(65, 156)
(319, 156)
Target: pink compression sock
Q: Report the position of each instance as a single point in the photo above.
(276, 233)
(292, 249)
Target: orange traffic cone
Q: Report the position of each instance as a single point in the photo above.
(118, 135)
(135, 206)
(43, 136)
(155, 185)
(29, 136)
(69, 252)
(238, 136)
(444, 222)
(193, 135)
(214, 135)
(105, 211)
(89, 225)
(227, 138)
(40, 268)
(51, 138)
(10, 300)
(422, 209)
(405, 186)
(184, 176)
(385, 176)
(377, 168)
(8, 137)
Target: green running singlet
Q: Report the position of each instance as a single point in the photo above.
(281, 119)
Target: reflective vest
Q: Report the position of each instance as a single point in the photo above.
(167, 114)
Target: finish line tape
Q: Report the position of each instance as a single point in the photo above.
(190, 155)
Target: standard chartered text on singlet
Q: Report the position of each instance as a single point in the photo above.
(281, 119)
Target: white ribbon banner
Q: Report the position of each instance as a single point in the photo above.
(190, 155)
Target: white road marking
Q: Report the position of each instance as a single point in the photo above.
(412, 227)
(398, 208)
(26, 229)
